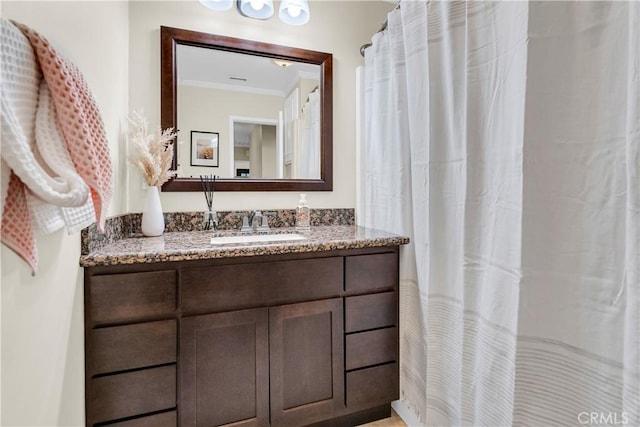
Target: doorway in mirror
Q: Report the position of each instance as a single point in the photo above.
(257, 149)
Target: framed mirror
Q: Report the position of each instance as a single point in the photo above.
(257, 115)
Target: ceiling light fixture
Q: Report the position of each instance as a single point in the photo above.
(294, 12)
(220, 5)
(257, 9)
(281, 63)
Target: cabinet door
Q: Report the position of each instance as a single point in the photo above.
(224, 367)
(307, 362)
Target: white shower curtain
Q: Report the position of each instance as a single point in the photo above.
(504, 137)
(308, 155)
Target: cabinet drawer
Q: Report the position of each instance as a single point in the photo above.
(371, 272)
(371, 348)
(259, 284)
(132, 296)
(166, 419)
(371, 311)
(133, 346)
(373, 385)
(132, 393)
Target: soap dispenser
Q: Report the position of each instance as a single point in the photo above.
(303, 214)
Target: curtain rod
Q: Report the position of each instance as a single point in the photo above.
(381, 29)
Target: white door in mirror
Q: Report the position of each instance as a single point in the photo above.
(257, 238)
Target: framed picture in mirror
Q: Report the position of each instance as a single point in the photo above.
(204, 148)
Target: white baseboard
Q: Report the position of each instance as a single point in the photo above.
(409, 418)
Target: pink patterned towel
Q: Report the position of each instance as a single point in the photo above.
(19, 100)
(17, 232)
(27, 58)
(79, 120)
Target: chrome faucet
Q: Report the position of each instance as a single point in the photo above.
(256, 221)
(259, 222)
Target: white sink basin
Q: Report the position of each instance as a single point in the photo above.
(257, 238)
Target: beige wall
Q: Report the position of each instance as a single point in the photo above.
(269, 160)
(42, 317)
(339, 27)
(209, 110)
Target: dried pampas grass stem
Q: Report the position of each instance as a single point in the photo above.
(152, 153)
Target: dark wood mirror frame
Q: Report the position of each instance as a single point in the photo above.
(171, 37)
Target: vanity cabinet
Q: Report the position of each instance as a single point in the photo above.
(277, 340)
(281, 361)
(224, 358)
(306, 362)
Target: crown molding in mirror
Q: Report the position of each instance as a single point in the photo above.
(171, 37)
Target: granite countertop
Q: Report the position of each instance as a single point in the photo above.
(194, 245)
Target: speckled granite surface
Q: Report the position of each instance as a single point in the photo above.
(192, 245)
(128, 225)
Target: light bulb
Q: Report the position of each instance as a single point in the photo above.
(257, 4)
(294, 10)
(257, 9)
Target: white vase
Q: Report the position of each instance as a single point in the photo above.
(152, 218)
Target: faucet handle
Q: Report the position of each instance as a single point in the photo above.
(245, 222)
(263, 227)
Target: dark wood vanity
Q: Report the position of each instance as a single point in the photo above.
(273, 340)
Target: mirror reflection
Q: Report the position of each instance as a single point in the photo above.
(255, 153)
(265, 114)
